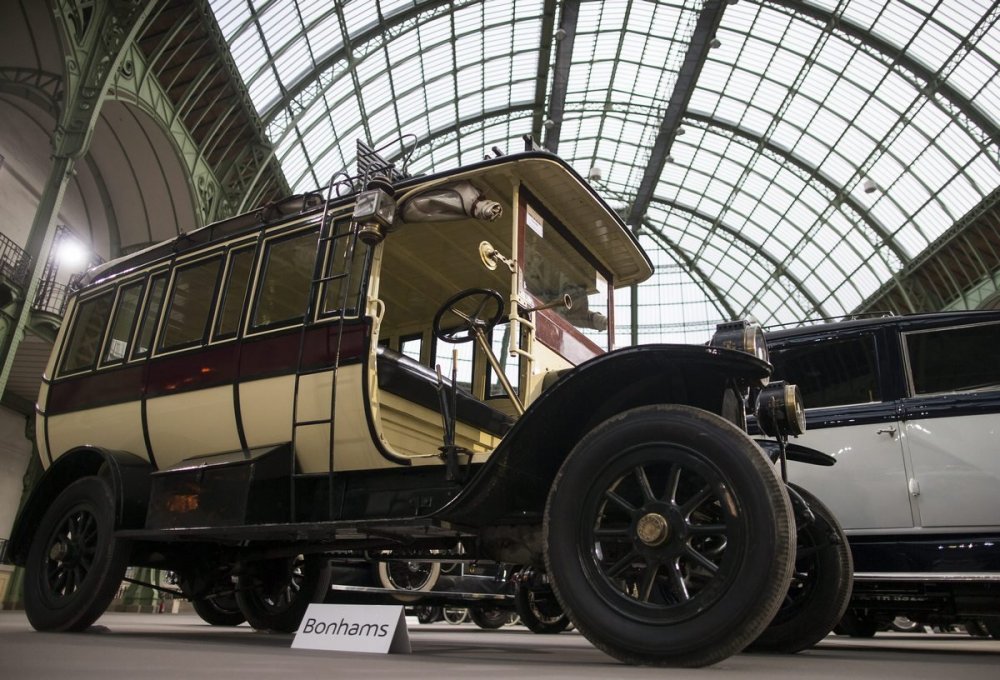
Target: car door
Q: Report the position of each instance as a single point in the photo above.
(951, 428)
(848, 381)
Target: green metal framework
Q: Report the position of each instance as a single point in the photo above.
(790, 160)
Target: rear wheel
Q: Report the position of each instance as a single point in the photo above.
(489, 618)
(540, 611)
(408, 576)
(821, 584)
(669, 537)
(275, 594)
(219, 610)
(75, 563)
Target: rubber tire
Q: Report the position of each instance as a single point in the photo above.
(800, 625)
(212, 612)
(428, 614)
(761, 572)
(455, 615)
(856, 626)
(530, 616)
(78, 610)
(386, 580)
(262, 614)
(489, 618)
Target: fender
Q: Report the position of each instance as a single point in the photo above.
(127, 474)
(514, 483)
(796, 452)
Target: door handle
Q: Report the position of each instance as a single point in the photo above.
(891, 431)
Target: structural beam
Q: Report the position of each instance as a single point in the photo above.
(560, 77)
(694, 60)
(542, 73)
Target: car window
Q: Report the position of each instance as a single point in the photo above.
(832, 372)
(954, 359)
(283, 293)
(190, 304)
(410, 346)
(149, 317)
(121, 327)
(91, 318)
(443, 356)
(234, 292)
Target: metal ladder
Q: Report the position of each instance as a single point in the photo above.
(328, 241)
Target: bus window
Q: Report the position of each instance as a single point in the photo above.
(88, 329)
(190, 304)
(121, 326)
(333, 296)
(283, 292)
(148, 324)
(234, 292)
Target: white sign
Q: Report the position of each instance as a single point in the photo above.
(353, 628)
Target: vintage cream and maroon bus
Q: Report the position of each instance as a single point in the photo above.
(396, 367)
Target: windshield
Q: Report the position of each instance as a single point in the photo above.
(554, 267)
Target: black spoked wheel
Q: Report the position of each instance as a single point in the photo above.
(540, 611)
(275, 594)
(455, 615)
(219, 610)
(821, 584)
(489, 618)
(75, 563)
(408, 577)
(428, 614)
(669, 537)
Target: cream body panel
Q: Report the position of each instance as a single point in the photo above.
(413, 430)
(956, 470)
(40, 420)
(117, 427)
(353, 446)
(266, 410)
(196, 423)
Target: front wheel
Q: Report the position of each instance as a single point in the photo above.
(821, 584)
(275, 594)
(669, 537)
(75, 563)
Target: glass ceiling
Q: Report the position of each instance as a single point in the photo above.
(825, 145)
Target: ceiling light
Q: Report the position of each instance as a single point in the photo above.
(715, 42)
(869, 186)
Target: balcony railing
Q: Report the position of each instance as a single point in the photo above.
(14, 262)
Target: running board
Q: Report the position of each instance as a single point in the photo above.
(928, 577)
(408, 596)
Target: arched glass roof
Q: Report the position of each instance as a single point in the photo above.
(784, 159)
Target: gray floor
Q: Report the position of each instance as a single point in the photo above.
(172, 646)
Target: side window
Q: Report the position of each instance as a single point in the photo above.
(500, 344)
(443, 356)
(154, 301)
(190, 304)
(410, 346)
(341, 278)
(122, 322)
(88, 329)
(234, 292)
(283, 293)
(832, 372)
(954, 359)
